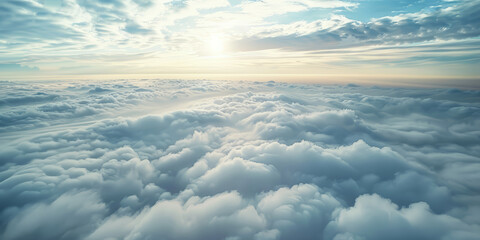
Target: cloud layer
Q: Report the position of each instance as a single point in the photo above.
(237, 160)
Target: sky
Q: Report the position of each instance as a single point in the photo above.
(405, 42)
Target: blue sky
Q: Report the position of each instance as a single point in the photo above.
(219, 38)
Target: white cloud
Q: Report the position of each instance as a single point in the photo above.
(162, 37)
(275, 7)
(373, 217)
(339, 32)
(236, 160)
(69, 216)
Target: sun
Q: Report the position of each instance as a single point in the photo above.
(216, 44)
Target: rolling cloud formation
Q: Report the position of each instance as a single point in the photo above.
(158, 159)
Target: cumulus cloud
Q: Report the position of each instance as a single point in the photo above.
(171, 159)
(69, 216)
(373, 217)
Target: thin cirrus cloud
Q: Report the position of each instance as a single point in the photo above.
(175, 159)
(174, 37)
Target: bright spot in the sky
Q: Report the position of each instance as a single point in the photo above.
(216, 45)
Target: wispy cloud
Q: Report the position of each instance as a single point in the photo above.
(459, 22)
(84, 37)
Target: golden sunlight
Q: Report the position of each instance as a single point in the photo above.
(216, 45)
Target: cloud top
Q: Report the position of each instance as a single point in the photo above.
(239, 160)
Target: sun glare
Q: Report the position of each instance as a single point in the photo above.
(216, 45)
